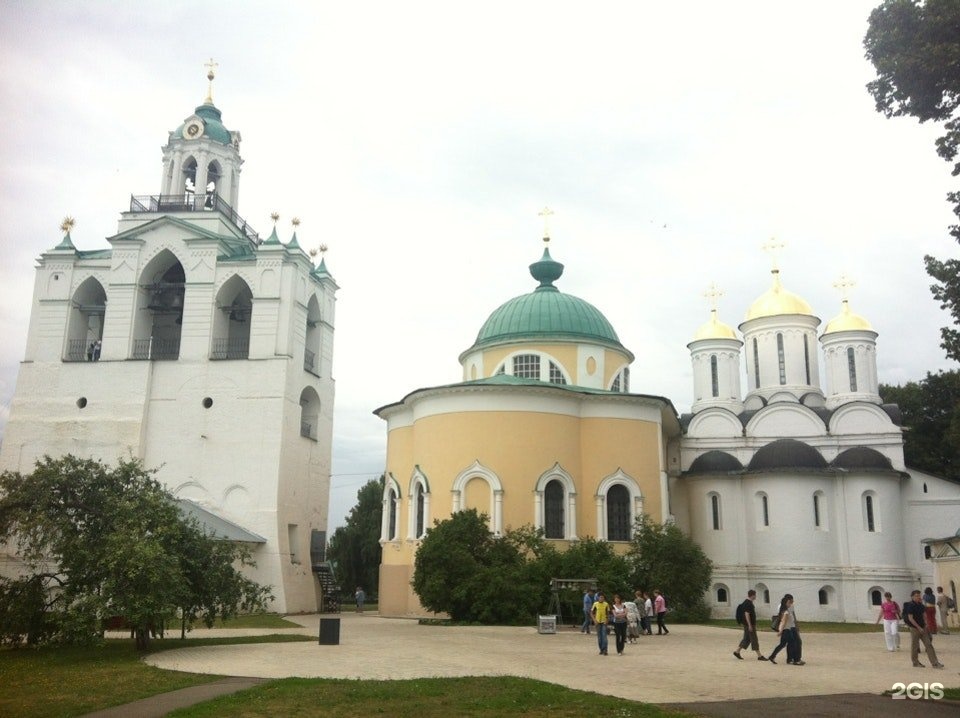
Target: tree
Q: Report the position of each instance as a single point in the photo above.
(355, 546)
(915, 48)
(97, 541)
(664, 557)
(930, 412)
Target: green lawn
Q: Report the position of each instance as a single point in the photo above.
(255, 620)
(420, 698)
(56, 682)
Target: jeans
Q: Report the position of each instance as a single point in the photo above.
(620, 629)
(587, 620)
(602, 637)
(788, 640)
(660, 627)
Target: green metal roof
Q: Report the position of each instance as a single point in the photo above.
(212, 125)
(546, 313)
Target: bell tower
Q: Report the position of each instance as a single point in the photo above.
(201, 160)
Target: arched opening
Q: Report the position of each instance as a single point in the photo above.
(309, 413)
(231, 320)
(85, 325)
(763, 510)
(722, 594)
(213, 183)
(418, 512)
(311, 350)
(189, 180)
(553, 498)
(392, 502)
(618, 513)
(390, 517)
(876, 596)
(763, 592)
(419, 507)
(819, 511)
(825, 595)
(159, 316)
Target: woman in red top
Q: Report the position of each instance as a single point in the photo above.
(890, 615)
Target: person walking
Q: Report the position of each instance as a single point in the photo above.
(360, 597)
(787, 630)
(619, 613)
(660, 608)
(648, 613)
(890, 615)
(599, 612)
(914, 614)
(747, 617)
(633, 621)
(943, 606)
(587, 614)
(930, 610)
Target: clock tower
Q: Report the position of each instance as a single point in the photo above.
(201, 160)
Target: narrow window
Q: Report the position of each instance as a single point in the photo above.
(556, 376)
(626, 379)
(823, 597)
(871, 524)
(806, 356)
(618, 513)
(392, 508)
(876, 598)
(616, 384)
(756, 365)
(852, 368)
(715, 511)
(924, 487)
(553, 510)
(293, 539)
(419, 524)
(766, 595)
(714, 376)
(927, 552)
(780, 359)
(816, 510)
(766, 510)
(527, 366)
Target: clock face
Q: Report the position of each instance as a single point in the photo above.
(193, 129)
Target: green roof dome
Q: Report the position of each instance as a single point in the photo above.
(212, 124)
(546, 313)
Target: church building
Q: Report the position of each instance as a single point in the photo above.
(199, 348)
(790, 488)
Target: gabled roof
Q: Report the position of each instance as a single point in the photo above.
(217, 526)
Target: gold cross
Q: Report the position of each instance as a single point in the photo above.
(712, 294)
(844, 284)
(546, 212)
(773, 248)
(211, 68)
(67, 224)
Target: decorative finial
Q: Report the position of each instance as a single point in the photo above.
(773, 248)
(712, 294)
(295, 222)
(322, 249)
(275, 216)
(546, 212)
(67, 224)
(844, 284)
(211, 73)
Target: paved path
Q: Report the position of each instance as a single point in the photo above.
(159, 705)
(690, 666)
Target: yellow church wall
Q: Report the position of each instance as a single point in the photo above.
(612, 363)
(563, 354)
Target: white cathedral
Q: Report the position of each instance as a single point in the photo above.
(199, 348)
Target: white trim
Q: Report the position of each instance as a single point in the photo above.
(418, 482)
(478, 470)
(636, 496)
(389, 485)
(570, 495)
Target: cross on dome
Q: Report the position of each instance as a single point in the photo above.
(773, 247)
(844, 284)
(713, 294)
(546, 213)
(211, 73)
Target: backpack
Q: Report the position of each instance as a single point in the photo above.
(740, 614)
(951, 604)
(775, 623)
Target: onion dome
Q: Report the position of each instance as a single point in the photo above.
(777, 301)
(847, 321)
(546, 314)
(207, 119)
(714, 329)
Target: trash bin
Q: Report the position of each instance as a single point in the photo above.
(329, 631)
(547, 624)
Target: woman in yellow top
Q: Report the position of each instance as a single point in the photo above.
(599, 611)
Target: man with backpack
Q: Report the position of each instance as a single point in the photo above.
(747, 617)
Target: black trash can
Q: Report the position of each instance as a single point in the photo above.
(329, 631)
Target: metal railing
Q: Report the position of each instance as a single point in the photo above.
(154, 349)
(230, 348)
(306, 430)
(77, 350)
(189, 202)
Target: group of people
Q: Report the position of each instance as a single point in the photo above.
(920, 616)
(93, 351)
(784, 623)
(629, 619)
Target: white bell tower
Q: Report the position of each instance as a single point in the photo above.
(850, 355)
(715, 355)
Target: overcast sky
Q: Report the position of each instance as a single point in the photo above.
(419, 140)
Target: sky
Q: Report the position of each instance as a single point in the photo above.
(419, 141)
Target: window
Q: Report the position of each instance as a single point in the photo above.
(806, 356)
(781, 360)
(766, 595)
(618, 513)
(924, 487)
(714, 376)
(820, 511)
(765, 509)
(869, 513)
(823, 597)
(309, 413)
(527, 366)
(816, 510)
(392, 502)
(852, 368)
(293, 539)
(756, 365)
(556, 375)
(501, 370)
(621, 382)
(419, 518)
(715, 511)
(876, 597)
(927, 551)
(723, 594)
(553, 497)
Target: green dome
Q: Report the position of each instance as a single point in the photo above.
(212, 125)
(546, 313)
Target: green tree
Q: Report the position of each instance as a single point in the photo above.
(664, 557)
(97, 541)
(930, 412)
(915, 49)
(355, 546)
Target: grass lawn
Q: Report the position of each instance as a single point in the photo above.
(420, 698)
(255, 620)
(56, 682)
(805, 626)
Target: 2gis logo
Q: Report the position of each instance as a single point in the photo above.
(917, 691)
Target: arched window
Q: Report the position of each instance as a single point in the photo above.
(876, 597)
(533, 366)
(309, 413)
(756, 365)
(311, 341)
(231, 323)
(158, 320)
(556, 375)
(722, 594)
(618, 513)
(852, 368)
(763, 510)
(553, 510)
(213, 183)
(871, 518)
(763, 592)
(824, 595)
(477, 487)
(85, 325)
(189, 169)
(392, 508)
(419, 494)
(781, 359)
(714, 376)
(526, 366)
(621, 381)
(806, 356)
(390, 520)
(715, 514)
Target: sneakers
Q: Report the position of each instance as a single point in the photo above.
(761, 658)
(918, 664)
(938, 665)
(736, 654)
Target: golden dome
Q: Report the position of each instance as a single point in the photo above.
(847, 321)
(714, 329)
(776, 301)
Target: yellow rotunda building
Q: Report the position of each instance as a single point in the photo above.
(542, 430)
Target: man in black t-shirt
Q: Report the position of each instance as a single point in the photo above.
(747, 617)
(913, 616)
